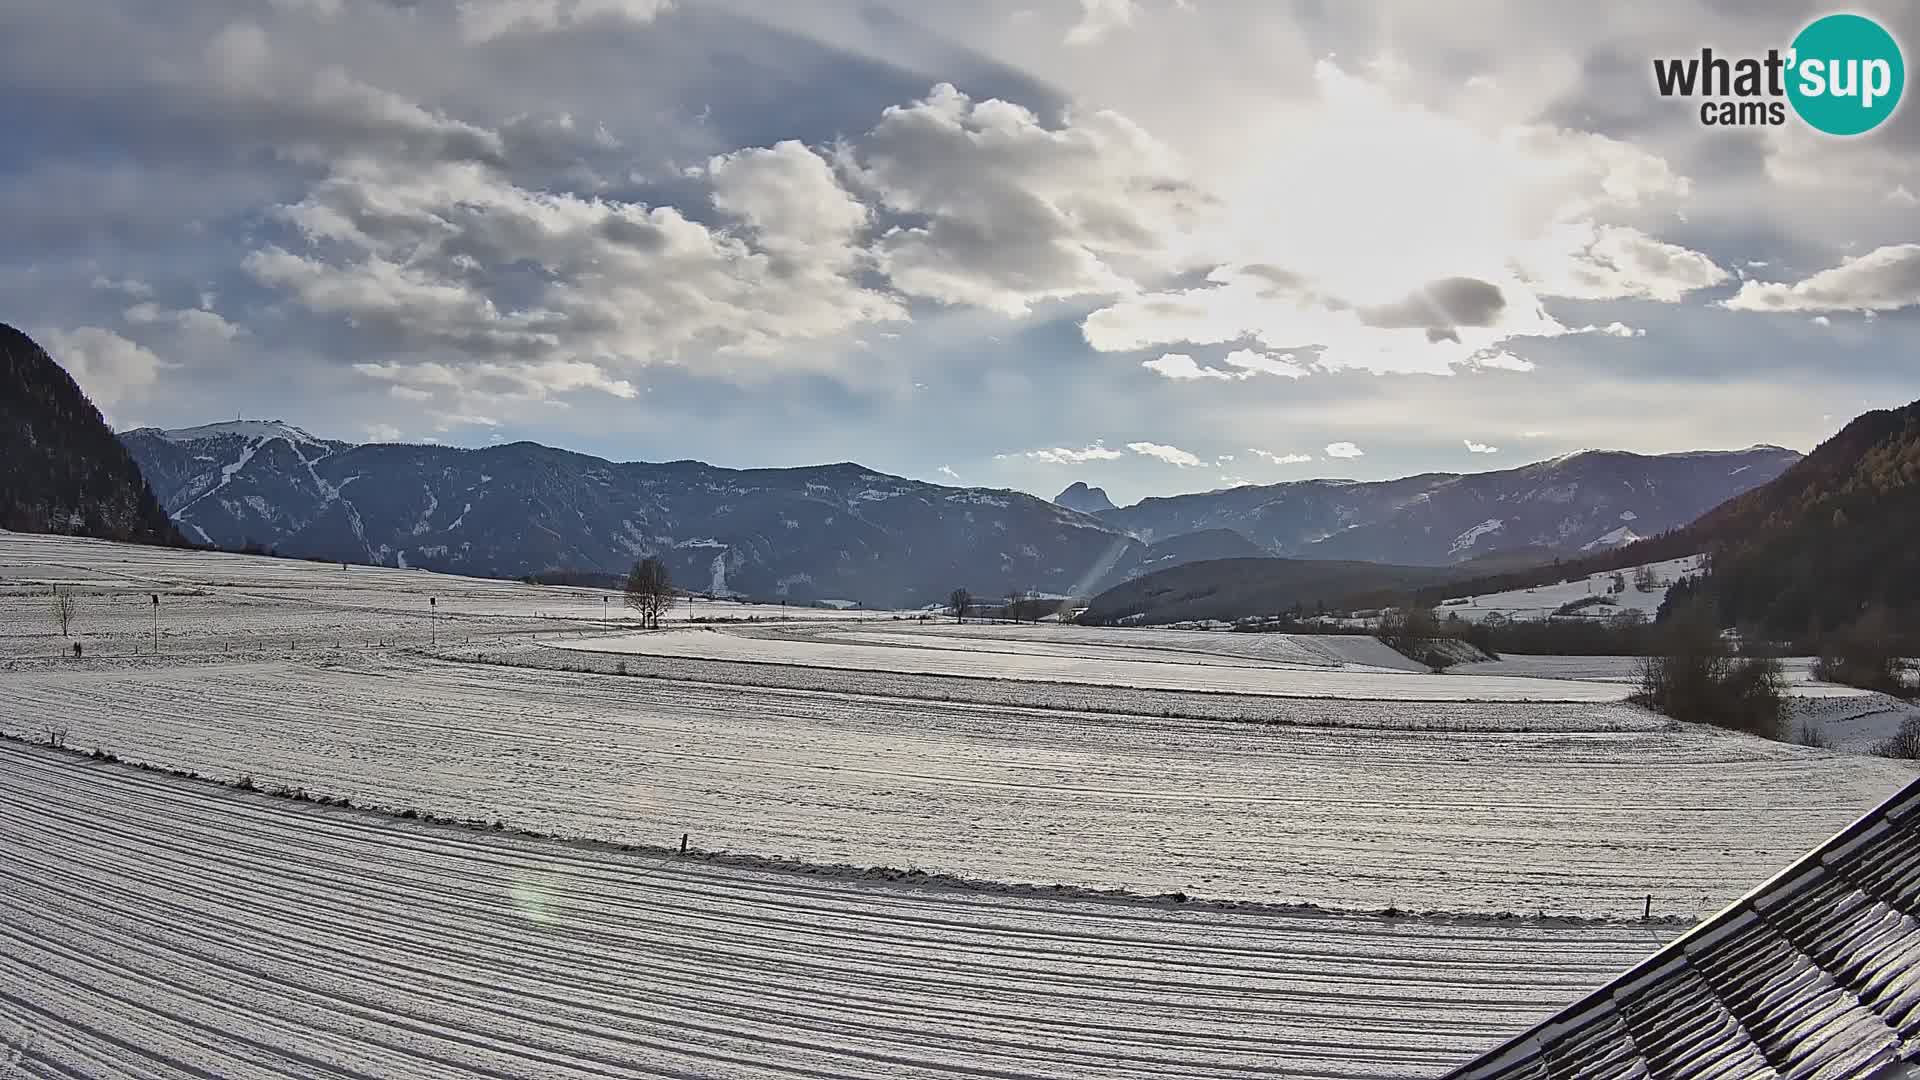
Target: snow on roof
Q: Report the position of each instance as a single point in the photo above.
(1816, 968)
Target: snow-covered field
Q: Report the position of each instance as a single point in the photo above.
(1797, 670)
(1386, 810)
(1093, 665)
(153, 926)
(219, 604)
(1539, 603)
(156, 927)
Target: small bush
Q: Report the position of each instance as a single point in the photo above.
(1693, 678)
(1808, 735)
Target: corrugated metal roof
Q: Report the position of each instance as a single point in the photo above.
(1814, 974)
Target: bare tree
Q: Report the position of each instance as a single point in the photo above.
(1645, 580)
(64, 608)
(650, 591)
(958, 601)
(1904, 743)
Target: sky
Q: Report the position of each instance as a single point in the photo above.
(1153, 245)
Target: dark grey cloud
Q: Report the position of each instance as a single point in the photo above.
(1441, 305)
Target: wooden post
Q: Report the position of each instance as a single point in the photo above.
(683, 843)
(1649, 912)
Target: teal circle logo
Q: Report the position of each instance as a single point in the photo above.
(1846, 74)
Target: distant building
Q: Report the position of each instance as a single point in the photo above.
(1814, 974)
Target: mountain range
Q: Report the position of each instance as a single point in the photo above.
(845, 532)
(1583, 502)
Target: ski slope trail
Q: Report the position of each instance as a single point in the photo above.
(159, 928)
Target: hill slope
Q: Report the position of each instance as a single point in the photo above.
(61, 469)
(1831, 536)
(1229, 589)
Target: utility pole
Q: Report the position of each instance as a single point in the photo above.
(156, 624)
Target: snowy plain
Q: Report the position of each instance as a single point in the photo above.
(163, 927)
(218, 604)
(1038, 661)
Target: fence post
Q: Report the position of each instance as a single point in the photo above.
(1649, 912)
(683, 843)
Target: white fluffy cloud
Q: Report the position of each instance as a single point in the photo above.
(1180, 366)
(998, 210)
(1344, 450)
(1098, 18)
(455, 257)
(1884, 279)
(1272, 458)
(196, 323)
(1253, 362)
(1584, 261)
(1480, 448)
(1061, 455)
(1172, 455)
(113, 370)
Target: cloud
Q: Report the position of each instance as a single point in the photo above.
(1280, 313)
(1613, 329)
(1098, 18)
(1480, 448)
(1442, 304)
(1344, 450)
(493, 382)
(270, 96)
(1583, 261)
(1181, 366)
(483, 20)
(133, 287)
(1060, 455)
(382, 433)
(791, 202)
(456, 258)
(1252, 362)
(1884, 279)
(998, 210)
(1280, 459)
(206, 326)
(1172, 455)
(113, 370)
(947, 471)
(319, 9)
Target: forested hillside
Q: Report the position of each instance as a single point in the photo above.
(61, 468)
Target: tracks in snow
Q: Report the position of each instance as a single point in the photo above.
(156, 927)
